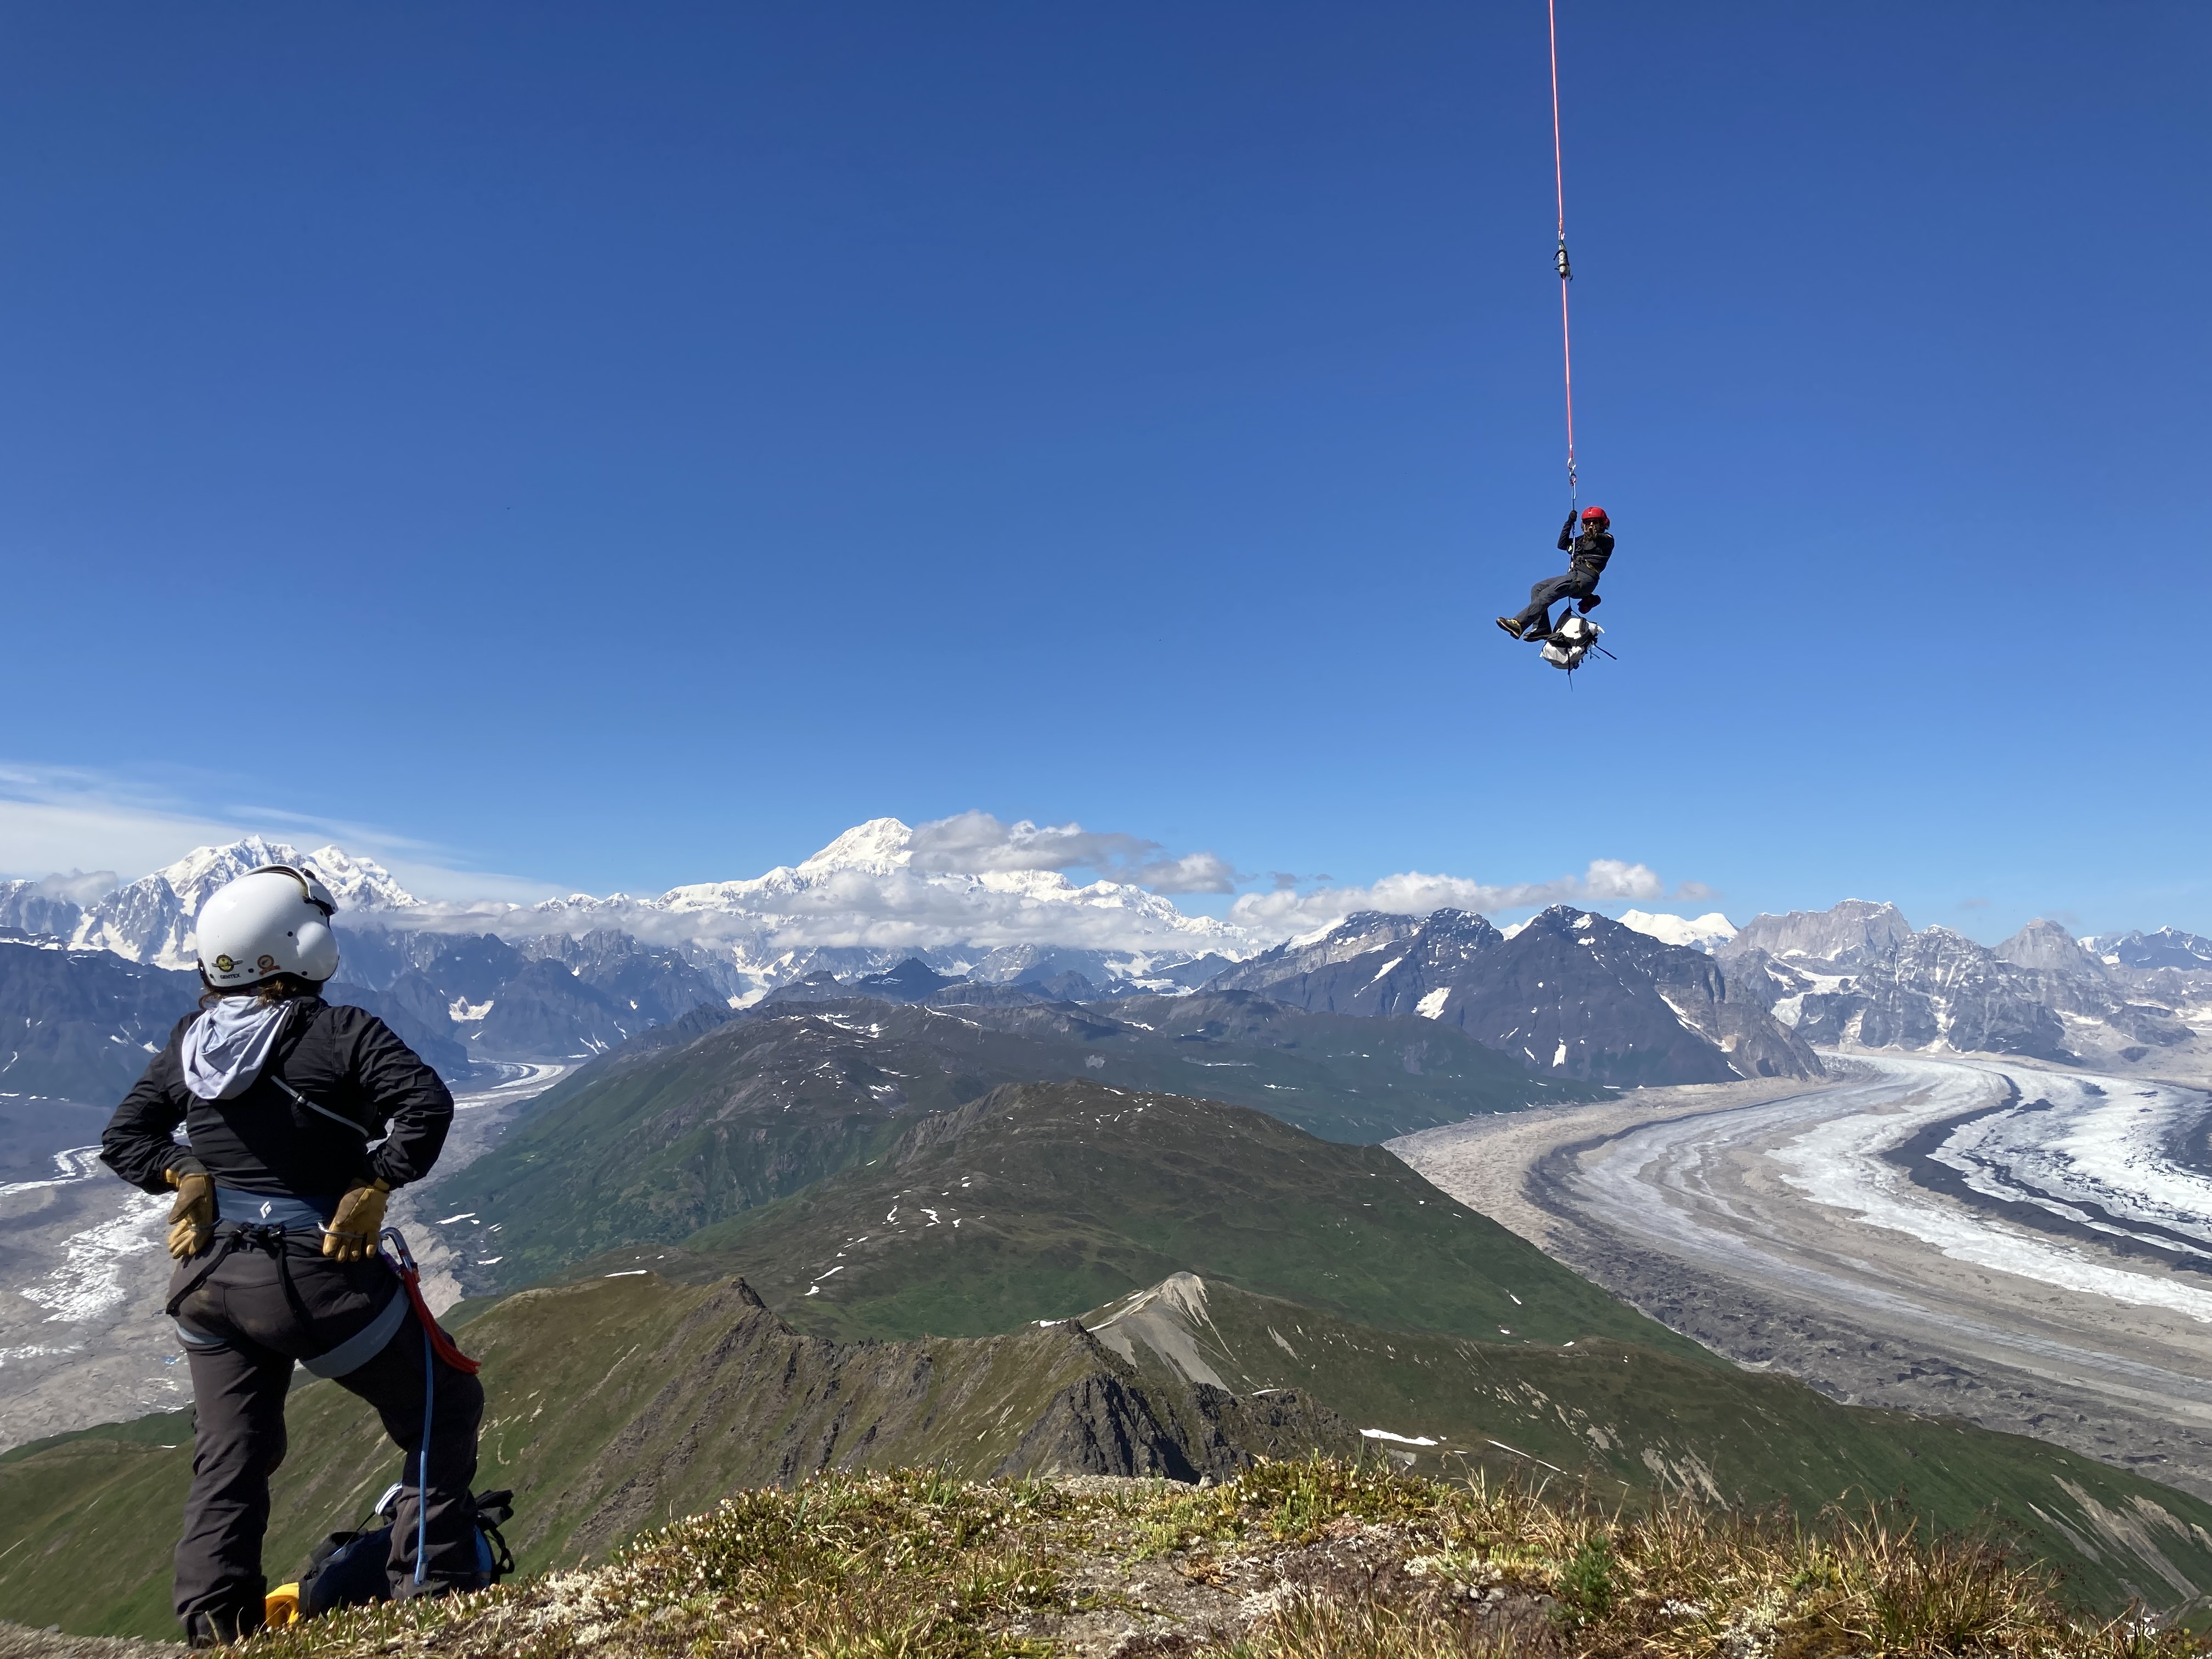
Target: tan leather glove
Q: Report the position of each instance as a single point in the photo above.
(192, 1217)
(356, 1222)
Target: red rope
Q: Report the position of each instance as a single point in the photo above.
(441, 1344)
(1559, 183)
(398, 1257)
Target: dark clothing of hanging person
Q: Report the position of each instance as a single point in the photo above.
(1588, 551)
(261, 1295)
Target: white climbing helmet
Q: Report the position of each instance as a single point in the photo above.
(270, 921)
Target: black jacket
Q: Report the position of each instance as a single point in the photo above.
(346, 1061)
(1590, 549)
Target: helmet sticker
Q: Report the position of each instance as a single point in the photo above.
(267, 964)
(224, 964)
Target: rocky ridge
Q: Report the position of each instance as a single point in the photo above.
(1859, 976)
(1572, 992)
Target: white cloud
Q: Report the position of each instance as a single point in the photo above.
(971, 878)
(55, 820)
(977, 843)
(1193, 873)
(1282, 915)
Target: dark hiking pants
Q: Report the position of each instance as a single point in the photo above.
(243, 1329)
(1577, 583)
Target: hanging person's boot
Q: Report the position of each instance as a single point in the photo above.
(1510, 626)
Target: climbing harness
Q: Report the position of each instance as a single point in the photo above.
(1560, 259)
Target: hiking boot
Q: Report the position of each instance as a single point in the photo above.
(1509, 626)
(221, 1627)
(1589, 604)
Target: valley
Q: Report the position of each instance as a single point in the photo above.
(914, 1312)
(1576, 1199)
(83, 1275)
(1999, 1241)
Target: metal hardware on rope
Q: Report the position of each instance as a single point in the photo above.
(1560, 259)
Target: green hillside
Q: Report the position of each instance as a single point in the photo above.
(1253, 1292)
(1043, 1200)
(1632, 1422)
(617, 1404)
(690, 1129)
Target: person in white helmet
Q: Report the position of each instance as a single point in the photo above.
(300, 1117)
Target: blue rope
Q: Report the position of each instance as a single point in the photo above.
(423, 1473)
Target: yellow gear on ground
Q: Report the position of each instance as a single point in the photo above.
(281, 1606)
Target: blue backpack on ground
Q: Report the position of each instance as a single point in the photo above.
(347, 1569)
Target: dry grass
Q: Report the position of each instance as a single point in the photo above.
(1308, 1560)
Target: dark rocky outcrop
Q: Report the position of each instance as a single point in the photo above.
(1572, 993)
(1854, 931)
(1939, 987)
(82, 1025)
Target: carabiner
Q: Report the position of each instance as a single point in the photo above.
(404, 1265)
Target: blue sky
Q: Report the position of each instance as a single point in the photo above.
(613, 448)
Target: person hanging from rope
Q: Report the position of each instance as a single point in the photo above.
(300, 1118)
(1588, 549)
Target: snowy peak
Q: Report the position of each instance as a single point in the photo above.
(1705, 933)
(150, 920)
(358, 883)
(2169, 947)
(875, 848)
(1938, 989)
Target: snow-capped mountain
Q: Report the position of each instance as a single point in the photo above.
(1707, 933)
(2042, 992)
(2169, 947)
(151, 920)
(1938, 989)
(37, 907)
(1569, 992)
(861, 905)
(881, 895)
(1371, 963)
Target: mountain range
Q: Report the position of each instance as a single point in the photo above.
(1077, 1278)
(1859, 975)
(1649, 999)
(1570, 992)
(81, 1024)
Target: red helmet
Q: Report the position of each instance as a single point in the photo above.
(1595, 515)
